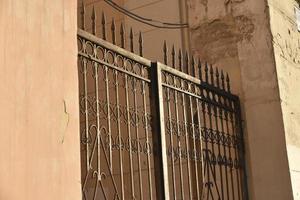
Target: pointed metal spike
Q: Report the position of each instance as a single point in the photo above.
(113, 26)
(122, 33)
(82, 16)
(187, 62)
(193, 69)
(217, 77)
(180, 59)
(113, 31)
(206, 72)
(131, 40)
(222, 80)
(103, 23)
(141, 44)
(93, 13)
(200, 69)
(94, 21)
(228, 82)
(173, 56)
(211, 71)
(165, 50)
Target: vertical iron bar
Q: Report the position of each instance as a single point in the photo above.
(200, 140)
(207, 161)
(242, 159)
(229, 148)
(96, 75)
(219, 157)
(108, 114)
(137, 137)
(147, 136)
(171, 142)
(194, 145)
(179, 146)
(187, 146)
(225, 151)
(236, 147)
(129, 135)
(86, 114)
(212, 138)
(231, 145)
(159, 137)
(119, 133)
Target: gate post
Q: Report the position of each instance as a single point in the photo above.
(242, 156)
(159, 137)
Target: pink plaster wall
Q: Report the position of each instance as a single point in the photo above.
(39, 137)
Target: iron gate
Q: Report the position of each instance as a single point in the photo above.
(153, 131)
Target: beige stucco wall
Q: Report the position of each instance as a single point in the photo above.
(286, 42)
(39, 137)
(235, 34)
(152, 9)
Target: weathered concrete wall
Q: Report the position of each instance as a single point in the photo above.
(39, 140)
(235, 34)
(286, 42)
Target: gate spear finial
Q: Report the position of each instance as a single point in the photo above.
(131, 39)
(165, 50)
(122, 33)
(180, 59)
(141, 43)
(222, 80)
(173, 56)
(187, 62)
(211, 70)
(103, 22)
(193, 70)
(94, 21)
(206, 72)
(113, 31)
(83, 15)
(217, 77)
(200, 69)
(228, 82)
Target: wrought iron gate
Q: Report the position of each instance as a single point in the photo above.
(153, 131)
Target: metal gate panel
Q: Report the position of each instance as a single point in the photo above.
(151, 131)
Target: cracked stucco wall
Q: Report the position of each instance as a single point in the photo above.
(236, 36)
(39, 137)
(286, 42)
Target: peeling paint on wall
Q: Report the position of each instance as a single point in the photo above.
(224, 33)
